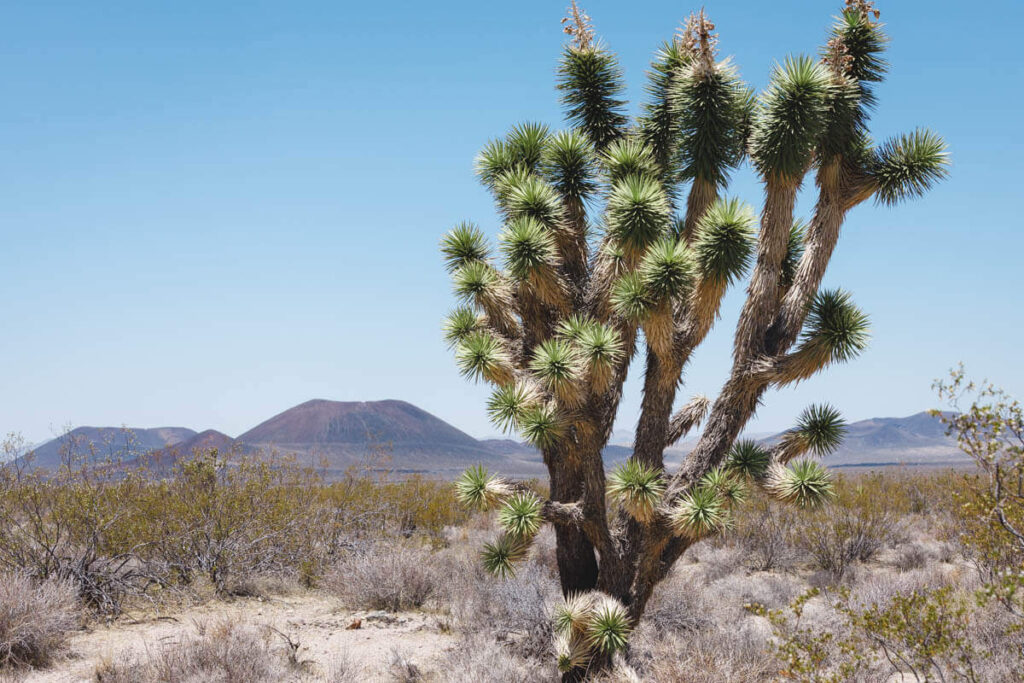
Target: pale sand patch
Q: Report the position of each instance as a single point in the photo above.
(317, 622)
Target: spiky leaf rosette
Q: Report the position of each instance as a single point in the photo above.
(475, 281)
(725, 241)
(528, 247)
(532, 257)
(493, 162)
(819, 430)
(477, 489)
(590, 80)
(637, 213)
(571, 652)
(480, 355)
(557, 364)
(574, 326)
(499, 558)
(659, 125)
(667, 269)
(609, 626)
(508, 403)
(532, 196)
(748, 459)
(714, 108)
(569, 161)
(630, 298)
(463, 244)
(908, 166)
(571, 614)
(527, 143)
(629, 157)
(520, 516)
(542, 425)
(835, 331)
(789, 118)
(794, 250)
(804, 483)
(699, 513)
(601, 350)
(730, 489)
(862, 43)
(459, 324)
(637, 487)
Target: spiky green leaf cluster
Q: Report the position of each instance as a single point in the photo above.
(836, 325)
(699, 513)
(748, 459)
(528, 246)
(480, 355)
(630, 298)
(629, 156)
(725, 241)
(465, 243)
(474, 279)
(723, 481)
(907, 166)
(556, 363)
(804, 483)
(789, 118)
(570, 163)
(637, 213)
(820, 430)
(864, 42)
(477, 489)
(459, 324)
(659, 124)
(571, 652)
(500, 556)
(609, 627)
(601, 350)
(527, 143)
(542, 425)
(637, 487)
(533, 197)
(590, 80)
(714, 113)
(667, 269)
(571, 613)
(495, 161)
(520, 515)
(508, 403)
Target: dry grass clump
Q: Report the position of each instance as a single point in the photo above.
(35, 619)
(387, 575)
(479, 658)
(221, 652)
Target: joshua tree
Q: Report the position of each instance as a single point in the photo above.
(620, 230)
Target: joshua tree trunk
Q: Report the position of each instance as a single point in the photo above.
(596, 260)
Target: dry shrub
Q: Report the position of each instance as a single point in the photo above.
(35, 619)
(479, 658)
(764, 530)
(387, 575)
(222, 652)
(679, 605)
(514, 611)
(715, 558)
(852, 529)
(733, 653)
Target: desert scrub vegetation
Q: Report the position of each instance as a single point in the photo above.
(209, 522)
(35, 619)
(619, 240)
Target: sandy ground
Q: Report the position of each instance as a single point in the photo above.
(318, 623)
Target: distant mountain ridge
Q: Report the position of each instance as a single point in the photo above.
(399, 436)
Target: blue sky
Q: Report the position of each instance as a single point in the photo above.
(214, 211)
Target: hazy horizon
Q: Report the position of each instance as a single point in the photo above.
(215, 212)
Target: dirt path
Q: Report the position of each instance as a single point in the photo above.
(318, 624)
